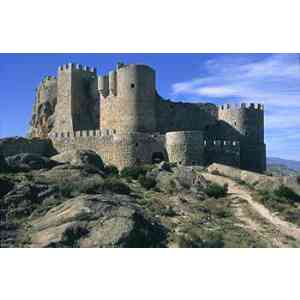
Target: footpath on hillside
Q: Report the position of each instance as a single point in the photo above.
(237, 191)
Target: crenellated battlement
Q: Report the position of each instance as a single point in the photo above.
(78, 67)
(250, 106)
(221, 143)
(82, 133)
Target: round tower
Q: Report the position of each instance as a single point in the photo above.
(130, 104)
(247, 122)
(185, 147)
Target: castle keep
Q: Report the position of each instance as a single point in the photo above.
(122, 117)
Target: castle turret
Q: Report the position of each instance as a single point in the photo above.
(185, 147)
(130, 105)
(246, 123)
(77, 101)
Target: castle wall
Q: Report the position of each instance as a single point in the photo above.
(120, 150)
(253, 157)
(13, 146)
(177, 116)
(225, 152)
(248, 121)
(85, 100)
(63, 121)
(77, 103)
(130, 105)
(185, 147)
(121, 116)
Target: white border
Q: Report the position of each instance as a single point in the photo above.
(149, 26)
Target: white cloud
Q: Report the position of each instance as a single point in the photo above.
(273, 80)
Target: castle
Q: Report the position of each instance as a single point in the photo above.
(122, 117)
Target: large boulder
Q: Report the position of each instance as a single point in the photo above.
(178, 179)
(22, 199)
(257, 180)
(80, 158)
(29, 161)
(106, 220)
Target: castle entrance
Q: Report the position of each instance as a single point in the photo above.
(157, 157)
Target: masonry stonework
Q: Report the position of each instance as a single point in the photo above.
(121, 116)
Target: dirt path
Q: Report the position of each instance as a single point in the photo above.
(237, 190)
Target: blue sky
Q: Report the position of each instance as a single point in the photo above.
(273, 79)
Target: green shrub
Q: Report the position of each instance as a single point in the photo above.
(285, 192)
(115, 185)
(216, 190)
(68, 189)
(91, 185)
(147, 183)
(135, 171)
(111, 170)
(212, 240)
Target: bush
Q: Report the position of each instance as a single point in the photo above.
(91, 185)
(287, 193)
(147, 183)
(212, 240)
(68, 189)
(111, 170)
(135, 171)
(216, 190)
(115, 185)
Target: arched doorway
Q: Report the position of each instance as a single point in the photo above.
(157, 157)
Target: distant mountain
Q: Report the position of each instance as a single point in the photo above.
(287, 167)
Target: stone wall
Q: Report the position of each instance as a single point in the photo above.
(128, 99)
(120, 150)
(13, 146)
(121, 116)
(177, 116)
(248, 121)
(185, 147)
(253, 157)
(222, 151)
(78, 103)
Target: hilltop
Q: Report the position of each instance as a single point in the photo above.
(74, 200)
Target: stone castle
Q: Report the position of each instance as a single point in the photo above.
(122, 117)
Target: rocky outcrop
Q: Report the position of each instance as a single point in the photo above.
(177, 179)
(80, 158)
(29, 161)
(260, 181)
(43, 113)
(95, 221)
